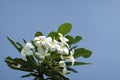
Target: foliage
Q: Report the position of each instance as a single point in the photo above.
(50, 56)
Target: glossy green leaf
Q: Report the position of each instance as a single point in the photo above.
(53, 34)
(14, 44)
(76, 63)
(38, 34)
(82, 52)
(50, 65)
(14, 64)
(73, 40)
(77, 39)
(64, 28)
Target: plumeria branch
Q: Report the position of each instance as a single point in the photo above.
(50, 55)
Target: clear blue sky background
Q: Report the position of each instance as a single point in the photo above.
(97, 21)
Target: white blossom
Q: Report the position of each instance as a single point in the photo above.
(27, 50)
(39, 55)
(63, 39)
(43, 51)
(70, 57)
(63, 65)
(52, 44)
(62, 49)
(40, 40)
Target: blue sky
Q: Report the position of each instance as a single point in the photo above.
(97, 21)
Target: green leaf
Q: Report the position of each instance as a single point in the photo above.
(21, 62)
(14, 44)
(64, 28)
(24, 41)
(71, 69)
(82, 52)
(10, 60)
(74, 47)
(35, 47)
(31, 61)
(27, 75)
(76, 63)
(77, 39)
(14, 64)
(20, 45)
(55, 74)
(38, 34)
(11, 64)
(34, 74)
(53, 34)
(71, 39)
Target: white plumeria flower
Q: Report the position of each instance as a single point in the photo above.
(40, 40)
(27, 50)
(63, 39)
(52, 44)
(63, 65)
(65, 70)
(39, 55)
(43, 51)
(70, 57)
(62, 49)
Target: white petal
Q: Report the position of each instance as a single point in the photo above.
(72, 51)
(19, 65)
(27, 50)
(30, 52)
(41, 50)
(59, 50)
(23, 56)
(66, 50)
(29, 45)
(37, 43)
(62, 38)
(39, 55)
(63, 65)
(72, 60)
(36, 38)
(52, 48)
(48, 39)
(65, 70)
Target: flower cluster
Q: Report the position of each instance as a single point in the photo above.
(47, 45)
(50, 55)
